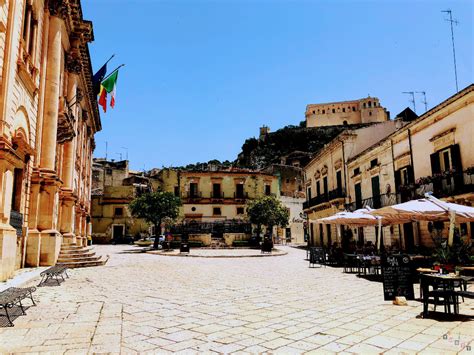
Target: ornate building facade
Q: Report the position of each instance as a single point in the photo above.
(48, 118)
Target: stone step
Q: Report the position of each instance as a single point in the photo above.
(81, 258)
(72, 247)
(76, 255)
(78, 251)
(85, 263)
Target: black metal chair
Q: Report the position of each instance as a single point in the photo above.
(317, 256)
(351, 263)
(441, 292)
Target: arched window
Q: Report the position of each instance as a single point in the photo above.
(344, 123)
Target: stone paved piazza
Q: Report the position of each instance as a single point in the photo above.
(150, 303)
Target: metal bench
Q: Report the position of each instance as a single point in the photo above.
(13, 296)
(54, 272)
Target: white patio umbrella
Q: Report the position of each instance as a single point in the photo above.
(425, 209)
(360, 217)
(455, 211)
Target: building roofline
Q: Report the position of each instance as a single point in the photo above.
(424, 116)
(343, 102)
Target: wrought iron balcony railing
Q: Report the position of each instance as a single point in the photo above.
(374, 202)
(324, 198)
(439, 185)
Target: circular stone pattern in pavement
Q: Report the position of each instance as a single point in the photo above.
(219, 253)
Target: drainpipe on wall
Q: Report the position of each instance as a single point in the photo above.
(411, 152)
(396, 191)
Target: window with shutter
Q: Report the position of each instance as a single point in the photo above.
(456, 157)
(435, 163)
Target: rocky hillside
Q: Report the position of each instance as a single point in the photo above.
(258, 154)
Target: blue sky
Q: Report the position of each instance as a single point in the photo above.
(202, 76)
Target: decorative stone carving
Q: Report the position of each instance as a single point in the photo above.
(324, 170)
(79, 95)
(65, 131)
(73, 63)
(59, 8)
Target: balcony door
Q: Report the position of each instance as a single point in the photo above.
(376, 192)
(193, 189)
(216, 190)
(339, 183)
(445, 160)
(239, 191)
(358, 195)
(325, 186)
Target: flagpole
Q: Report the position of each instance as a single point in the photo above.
(113, 55)
(113, 71)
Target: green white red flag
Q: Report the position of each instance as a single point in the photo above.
(108, 86)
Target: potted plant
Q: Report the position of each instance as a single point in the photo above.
(444, 258)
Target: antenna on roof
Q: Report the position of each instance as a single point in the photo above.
(451, 21)
(412, 93)
(424, 99)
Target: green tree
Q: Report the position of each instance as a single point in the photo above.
(267, 211)
(155, 207)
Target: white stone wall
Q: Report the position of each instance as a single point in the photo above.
(295, 206)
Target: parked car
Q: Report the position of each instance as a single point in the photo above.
(158, 242)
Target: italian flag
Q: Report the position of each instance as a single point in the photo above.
(108, 86)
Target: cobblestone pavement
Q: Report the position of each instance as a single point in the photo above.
(148, 303)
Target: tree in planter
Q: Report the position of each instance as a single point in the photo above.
(155, 207)
(267, 211)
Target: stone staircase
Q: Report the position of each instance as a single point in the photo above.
(72, 256)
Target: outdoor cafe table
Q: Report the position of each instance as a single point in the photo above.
(367, 262)
(444, 282)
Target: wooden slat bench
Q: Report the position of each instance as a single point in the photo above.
(54, 272)
(13, 296)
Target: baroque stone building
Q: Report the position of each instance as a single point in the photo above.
(365, 110)
(378, 168)
(48, 118)
(114, 186)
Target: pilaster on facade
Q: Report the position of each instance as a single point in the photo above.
(46, 55)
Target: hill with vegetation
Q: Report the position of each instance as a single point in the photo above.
(259, 153)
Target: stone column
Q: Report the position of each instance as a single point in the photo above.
(49, 190)
(67, 194)
(52, 92)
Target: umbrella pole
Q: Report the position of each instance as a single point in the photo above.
(379, 233)
(452, 223)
